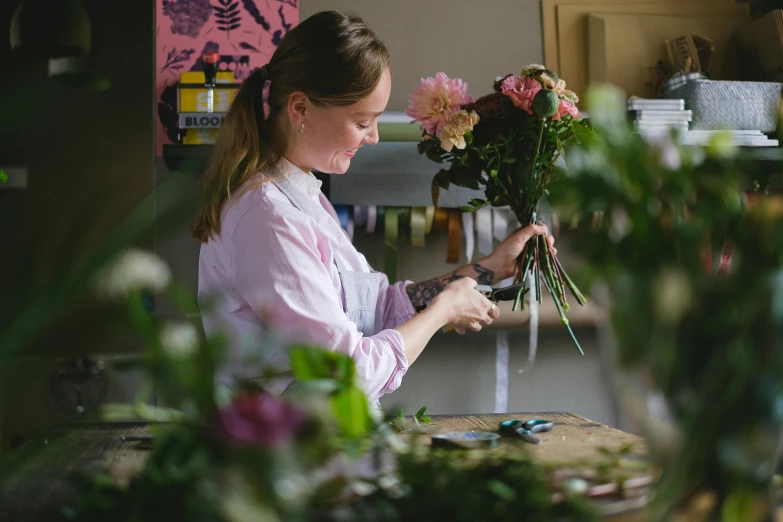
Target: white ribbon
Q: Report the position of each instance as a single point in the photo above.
(484, 230)
(500, 221)
(501, 372)
(467, 229)
(372, 216)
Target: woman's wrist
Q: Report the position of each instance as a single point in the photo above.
(439, 311)
(498, 269)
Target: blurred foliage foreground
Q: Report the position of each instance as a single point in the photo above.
(692, 276)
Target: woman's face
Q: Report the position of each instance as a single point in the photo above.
(333, 135)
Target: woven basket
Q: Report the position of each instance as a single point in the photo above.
(736, 105)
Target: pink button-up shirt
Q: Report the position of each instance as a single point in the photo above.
(274, 261)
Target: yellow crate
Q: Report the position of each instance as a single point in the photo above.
(199, 137)
(195, 100)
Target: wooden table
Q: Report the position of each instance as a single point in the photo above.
(37, 480)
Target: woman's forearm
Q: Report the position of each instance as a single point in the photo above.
(417, 331)
(420, 294)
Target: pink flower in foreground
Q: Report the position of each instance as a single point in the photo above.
(434, 101)
(521, 91)
(260, 419)
(566, 107)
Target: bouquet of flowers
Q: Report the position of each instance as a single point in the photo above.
(508, 143)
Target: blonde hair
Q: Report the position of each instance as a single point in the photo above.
(332, 57)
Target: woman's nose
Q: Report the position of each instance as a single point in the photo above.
(372, 136)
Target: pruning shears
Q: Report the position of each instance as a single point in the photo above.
(508, 293)
(525, 429)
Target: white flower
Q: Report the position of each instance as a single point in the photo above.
(131, 270)
(619, 225)
(672, 295)
(179, 339)
(666, 150)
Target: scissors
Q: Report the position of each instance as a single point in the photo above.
(508, 293)
(526, 429)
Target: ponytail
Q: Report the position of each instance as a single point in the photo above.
(242, 149)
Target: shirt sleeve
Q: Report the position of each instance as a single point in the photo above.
(284, 271)
(394, 305)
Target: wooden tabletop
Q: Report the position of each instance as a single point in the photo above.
(37, 480)
(573, 438)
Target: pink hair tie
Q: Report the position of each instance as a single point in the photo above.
(264, 71)
(265, 98)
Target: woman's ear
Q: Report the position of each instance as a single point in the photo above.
(297, 107)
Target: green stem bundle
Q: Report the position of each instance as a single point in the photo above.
(537, 258)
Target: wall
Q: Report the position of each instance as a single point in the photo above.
(90, 160)
(469, 39)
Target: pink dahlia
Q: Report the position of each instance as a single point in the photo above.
(521, 90)
(259, 419)
(434, 101)
(566, 107)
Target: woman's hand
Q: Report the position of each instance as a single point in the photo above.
(504, 258)
(463, 307)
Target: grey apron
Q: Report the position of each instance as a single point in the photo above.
(360, 289)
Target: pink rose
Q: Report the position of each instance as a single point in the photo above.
(566, 107)
(434, 101)
(521, 90)
(259, 419)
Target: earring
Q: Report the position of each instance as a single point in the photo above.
(300, 128)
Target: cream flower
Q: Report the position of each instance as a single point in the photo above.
(562, 92)
(530, 69)
(179, 339)
(132, 270)
(453, 133)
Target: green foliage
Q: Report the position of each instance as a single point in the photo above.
(710, 340)
(468, 486)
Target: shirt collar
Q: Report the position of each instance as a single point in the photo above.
(303, 181)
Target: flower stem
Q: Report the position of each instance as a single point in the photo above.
(571, 286)
(563, 318)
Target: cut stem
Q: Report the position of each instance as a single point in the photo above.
(563, 318)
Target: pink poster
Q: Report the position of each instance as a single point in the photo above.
(244, 32)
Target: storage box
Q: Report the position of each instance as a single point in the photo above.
(734, 105)
(761, 46)
(192, 97)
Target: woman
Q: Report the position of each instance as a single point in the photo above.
(272, 246)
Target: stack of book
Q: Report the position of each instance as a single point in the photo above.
(655, 117)
(740, 138)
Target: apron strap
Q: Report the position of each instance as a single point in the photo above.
(287, 188)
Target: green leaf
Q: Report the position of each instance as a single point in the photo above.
(420, 413)
(493, 173)
(443, 178)
(739, 506)
(352, 412)
(469, 137)
(504, 491)
(315, 363)
(467, 208)
(308, 364)
(510, 160)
